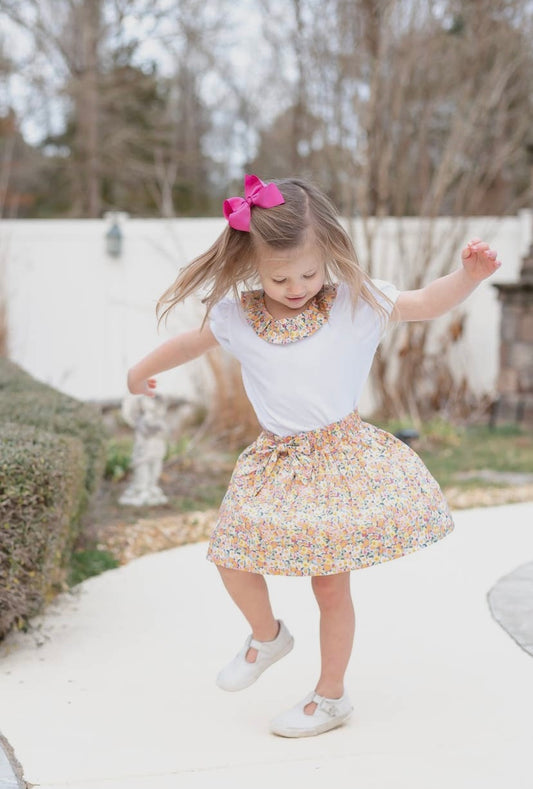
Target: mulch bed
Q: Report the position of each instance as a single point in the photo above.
(130, 532)
(194, 484)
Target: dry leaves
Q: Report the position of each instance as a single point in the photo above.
(463, 498)
(127, 541)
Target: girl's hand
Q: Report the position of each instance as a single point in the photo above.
(145, 386)
(479, 260)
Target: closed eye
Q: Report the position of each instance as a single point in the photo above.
(305, 276)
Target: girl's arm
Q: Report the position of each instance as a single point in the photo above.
(172, 353)
(479, 262)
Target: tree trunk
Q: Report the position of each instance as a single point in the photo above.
(88, 105)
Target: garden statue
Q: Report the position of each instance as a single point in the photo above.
(147, 416)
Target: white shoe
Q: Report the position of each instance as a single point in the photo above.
(239, 673)
(329, 714)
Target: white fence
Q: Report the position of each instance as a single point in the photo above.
(77, 318)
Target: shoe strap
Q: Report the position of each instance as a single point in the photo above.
(328, 706)
(258, 644)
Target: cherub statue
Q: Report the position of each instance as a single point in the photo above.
(147, 416)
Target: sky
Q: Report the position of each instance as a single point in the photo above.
(37, 118)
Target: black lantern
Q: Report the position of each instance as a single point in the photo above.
(113, 239)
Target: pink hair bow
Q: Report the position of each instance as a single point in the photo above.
(237, 210)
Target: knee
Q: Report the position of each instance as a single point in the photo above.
(331, 590)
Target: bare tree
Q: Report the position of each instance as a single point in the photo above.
(423, 110)
(441, 130)
(91, 62)
(67, 35)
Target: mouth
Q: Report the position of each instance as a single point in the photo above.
(297, 298)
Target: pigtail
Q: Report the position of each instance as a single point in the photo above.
(225, 265)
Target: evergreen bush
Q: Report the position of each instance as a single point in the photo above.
(42, 495)
(52, 458)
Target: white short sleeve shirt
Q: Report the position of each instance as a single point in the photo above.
(311, 382)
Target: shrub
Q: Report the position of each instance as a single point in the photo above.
(42, 495)
(52, 458)
(14, 379)
(118, 460)
(29, 402)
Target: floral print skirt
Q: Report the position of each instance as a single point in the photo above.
(327, 501)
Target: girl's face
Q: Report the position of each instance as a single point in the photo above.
(291, 277)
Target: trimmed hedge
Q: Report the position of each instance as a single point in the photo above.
(29, 402)
(42, 494)
(14, 379)
(52, 457)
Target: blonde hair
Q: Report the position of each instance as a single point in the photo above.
(231, 260)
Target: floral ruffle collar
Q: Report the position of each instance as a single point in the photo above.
(285, 330)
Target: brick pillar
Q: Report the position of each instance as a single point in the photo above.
(515, 380)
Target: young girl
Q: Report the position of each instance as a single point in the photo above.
(319, 493)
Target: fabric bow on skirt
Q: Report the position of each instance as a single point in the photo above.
(326, 501)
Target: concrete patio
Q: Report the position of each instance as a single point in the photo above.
(114, 688)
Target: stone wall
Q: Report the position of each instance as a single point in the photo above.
(515, 380)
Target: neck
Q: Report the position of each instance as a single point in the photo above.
(280, 311)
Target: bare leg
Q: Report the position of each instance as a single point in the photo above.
(337, 628)
(250, 594)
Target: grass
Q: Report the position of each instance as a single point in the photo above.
(89, 562)
(481, 448)
(448, 450)
(196, 475)
(118, 460)
(119, 453)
